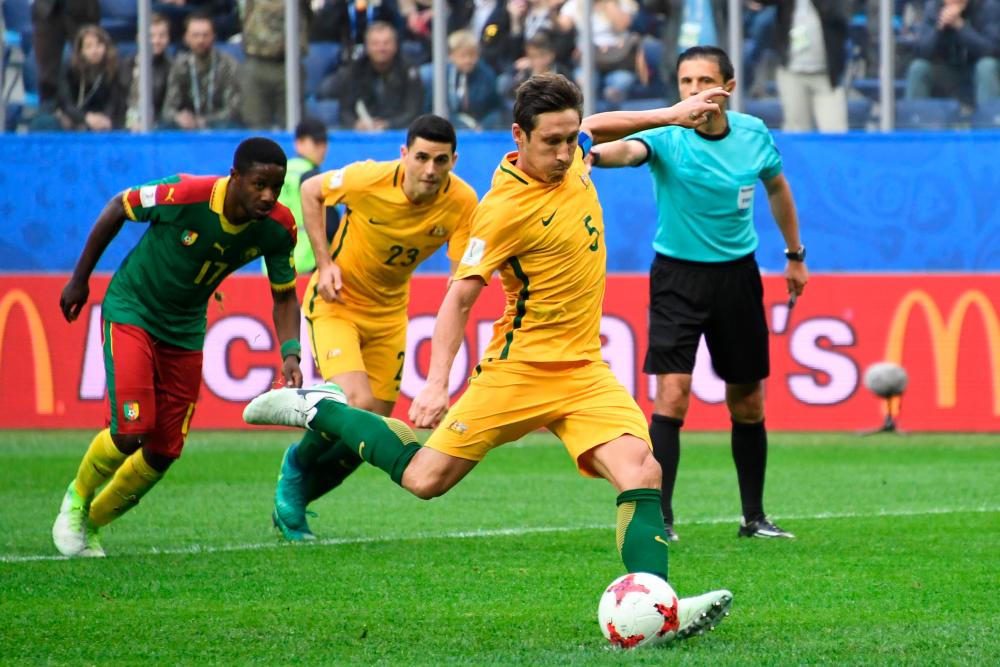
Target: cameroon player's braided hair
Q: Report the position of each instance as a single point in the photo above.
(258, 150)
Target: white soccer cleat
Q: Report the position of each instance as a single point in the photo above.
(69, 532)
(291, 407)
(697, 614)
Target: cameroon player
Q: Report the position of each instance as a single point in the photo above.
(541, 226)
(397, 214)
(201, 229)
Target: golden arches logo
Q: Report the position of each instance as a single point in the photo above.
(946, 339)
(44, 392)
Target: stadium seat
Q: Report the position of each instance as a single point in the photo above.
(871, 88)
(17, 23)
(932, 113)
(17, 61)
(126, 49)
(768, 109)
(119, 18)
(987, 115)
(321, 60)
(859, 113)
(235, 49)
(328, 111)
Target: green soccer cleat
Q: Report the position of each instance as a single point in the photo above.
(69, 532)
(289, 515)
(697, 614)
(291, 407)
(93, 541)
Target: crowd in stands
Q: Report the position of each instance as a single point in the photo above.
(809, 64)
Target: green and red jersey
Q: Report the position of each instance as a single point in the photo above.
(165, 282)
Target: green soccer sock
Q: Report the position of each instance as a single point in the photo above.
(311, 448)
(642, 541)
(332, 468)
(384, 442)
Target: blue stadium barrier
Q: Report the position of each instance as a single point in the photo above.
(867, 201)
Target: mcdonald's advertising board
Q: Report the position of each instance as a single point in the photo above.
(943, 329)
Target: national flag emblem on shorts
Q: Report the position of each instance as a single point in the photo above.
(189, 237)
(131, 410)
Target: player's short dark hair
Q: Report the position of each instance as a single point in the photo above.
(382, 25)
(258, 150)
(200, 15)
(543, 93)
(720, 57)
(311, 128)
(432, 128)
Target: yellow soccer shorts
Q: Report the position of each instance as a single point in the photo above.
(581, 403)
(344, 342)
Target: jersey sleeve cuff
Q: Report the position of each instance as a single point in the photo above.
(586, 142)
(129, 213)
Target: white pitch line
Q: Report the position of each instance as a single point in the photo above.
(492, 532)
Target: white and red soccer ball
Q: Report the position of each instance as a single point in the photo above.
(638, 609)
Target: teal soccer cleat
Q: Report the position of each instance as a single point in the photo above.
(289, 515)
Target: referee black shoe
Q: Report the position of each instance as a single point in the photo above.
(762, 528)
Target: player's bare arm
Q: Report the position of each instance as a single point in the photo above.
(690, 112)
(431, 403)
(76, 292)
(329, 281)
(779, 197)
(621, 153)
(286, 324)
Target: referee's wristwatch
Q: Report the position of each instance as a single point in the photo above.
(796, 255)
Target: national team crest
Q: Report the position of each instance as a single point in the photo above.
(189, 237)
(438, 231)
(131, 411)
(250, 253)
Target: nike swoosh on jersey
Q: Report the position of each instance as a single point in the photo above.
(660, 539)
(546, 221)
(377, 222)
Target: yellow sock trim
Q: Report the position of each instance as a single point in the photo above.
(99, 463)
(625, 512)
(132, 481)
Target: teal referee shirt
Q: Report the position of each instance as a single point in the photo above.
(704, 187)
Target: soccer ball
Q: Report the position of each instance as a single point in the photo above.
(886, 379)
(638, 609)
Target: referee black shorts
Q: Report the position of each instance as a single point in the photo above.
(722, 300)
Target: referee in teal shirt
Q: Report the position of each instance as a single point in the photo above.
(704, 279)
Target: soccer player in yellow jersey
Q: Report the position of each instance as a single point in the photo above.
(398, 213)
(542, 228)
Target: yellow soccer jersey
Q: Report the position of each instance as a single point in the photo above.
(547, 241)
(383, 236)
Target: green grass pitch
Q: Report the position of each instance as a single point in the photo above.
(897, 560)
